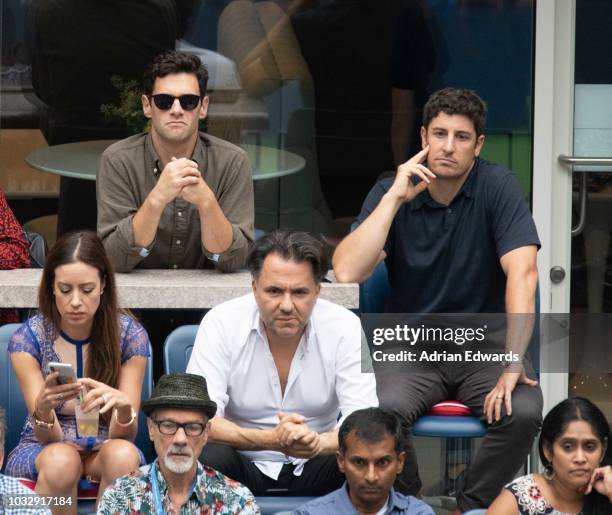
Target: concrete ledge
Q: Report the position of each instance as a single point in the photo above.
(164, 289)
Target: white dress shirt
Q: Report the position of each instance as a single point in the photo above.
(325, 379)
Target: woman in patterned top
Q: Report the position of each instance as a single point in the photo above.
(78, 323)
(577, 479)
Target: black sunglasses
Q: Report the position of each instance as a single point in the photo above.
(164, 101)
(169, 427)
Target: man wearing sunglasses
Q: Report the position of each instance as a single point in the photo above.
(175, 197)
(179, 411)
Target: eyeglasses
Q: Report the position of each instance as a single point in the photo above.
(169, 427)
(164, 101)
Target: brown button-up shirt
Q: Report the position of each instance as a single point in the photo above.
(129, 170)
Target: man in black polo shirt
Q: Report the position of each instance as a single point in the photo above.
(457, 237)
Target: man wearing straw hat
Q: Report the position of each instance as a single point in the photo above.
(179, 411)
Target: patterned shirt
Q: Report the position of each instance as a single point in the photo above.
(529, 497)
(213, 493)
(11, 492)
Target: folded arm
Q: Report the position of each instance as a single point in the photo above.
(243, 438)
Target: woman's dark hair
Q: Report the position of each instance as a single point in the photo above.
(371, 425)
(171, 62)
(292, 246)
(456, 101)
(104, 360)
(556, 423)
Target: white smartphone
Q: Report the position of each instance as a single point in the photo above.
(66, 372)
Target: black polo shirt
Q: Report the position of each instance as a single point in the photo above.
(445, 259)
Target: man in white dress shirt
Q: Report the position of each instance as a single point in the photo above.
(285, 369)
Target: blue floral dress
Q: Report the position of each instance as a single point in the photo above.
(39, 338)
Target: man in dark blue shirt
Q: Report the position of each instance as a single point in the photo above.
(457, 237)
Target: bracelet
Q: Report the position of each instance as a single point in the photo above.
(41, 423)
(125, 424)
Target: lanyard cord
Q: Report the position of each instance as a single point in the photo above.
(159, 507)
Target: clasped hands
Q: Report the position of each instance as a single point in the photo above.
(181, 178)
(295, 438)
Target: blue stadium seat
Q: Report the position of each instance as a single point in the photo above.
(178, 347)
(375, 291)
(10, 393)
(457, 432)
(143, 442)
(449, 427)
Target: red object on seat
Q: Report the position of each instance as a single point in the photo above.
(450, 409)
(87, 490)
(28, 483)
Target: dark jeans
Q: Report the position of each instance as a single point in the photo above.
(507, 442)
(319, 477)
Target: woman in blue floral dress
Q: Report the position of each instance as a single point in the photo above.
(79, 322)
(577, 479)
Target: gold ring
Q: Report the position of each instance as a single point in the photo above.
(500, 396)
(104, 398)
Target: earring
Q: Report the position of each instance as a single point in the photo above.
(549, 473)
